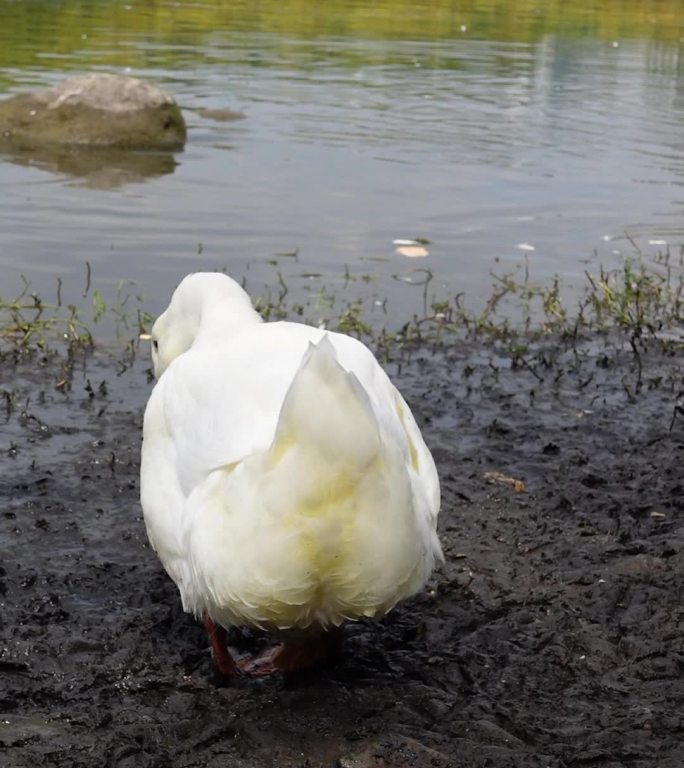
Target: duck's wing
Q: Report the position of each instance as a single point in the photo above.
(221, 403)
(213, 406)
(218, 405)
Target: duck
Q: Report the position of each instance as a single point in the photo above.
(285, 484)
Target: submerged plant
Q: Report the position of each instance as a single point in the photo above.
(635, 298)
(31, 326)
(29, 322)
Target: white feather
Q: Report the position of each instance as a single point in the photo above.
(284, 481)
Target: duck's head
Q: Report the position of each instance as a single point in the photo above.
(203, 303)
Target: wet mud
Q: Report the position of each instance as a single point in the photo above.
(552, 637)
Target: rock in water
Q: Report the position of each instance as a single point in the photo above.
(94, 110)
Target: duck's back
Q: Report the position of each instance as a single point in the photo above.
(298, 489)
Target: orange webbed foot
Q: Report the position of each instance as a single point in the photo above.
(294, 654)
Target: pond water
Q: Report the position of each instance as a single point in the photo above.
(502, 132)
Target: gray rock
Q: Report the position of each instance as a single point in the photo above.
(94, 110)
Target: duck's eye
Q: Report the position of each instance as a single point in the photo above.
(155, 344)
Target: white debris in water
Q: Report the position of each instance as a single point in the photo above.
(657, 242)
(607, 238)
(410, 277)
(616, 44)
(525, 247)
(413, 251)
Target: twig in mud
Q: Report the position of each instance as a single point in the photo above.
(678, 409)
(637, 357)
(525, 364)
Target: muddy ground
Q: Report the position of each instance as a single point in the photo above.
(553, 636)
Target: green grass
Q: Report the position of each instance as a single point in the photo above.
(32, 326)
(638, 299)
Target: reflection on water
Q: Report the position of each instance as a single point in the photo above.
(549, 132)
(94, 167)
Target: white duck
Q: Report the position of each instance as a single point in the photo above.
(284, 482)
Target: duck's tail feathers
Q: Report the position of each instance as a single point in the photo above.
(326, 408)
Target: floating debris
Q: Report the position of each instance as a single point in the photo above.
(657, 242)
(413, 251)
(525, 247)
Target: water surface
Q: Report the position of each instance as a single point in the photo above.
(500, 132)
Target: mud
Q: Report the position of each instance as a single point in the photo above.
(553, 636)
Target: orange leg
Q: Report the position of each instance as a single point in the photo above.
(223, 661)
